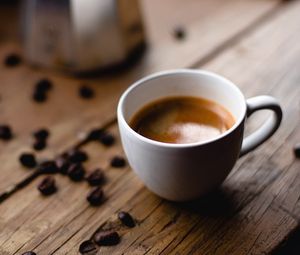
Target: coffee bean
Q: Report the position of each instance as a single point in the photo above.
(12, 60)
(41, 134)
(76, 172)
(48, 167)
(107, 238)
(118, 161)
(29, 253)
(77, 156)
(39, 96)
(87, 247)
(43, 85)
(27, 160)
(47, 186)
(86, 92)
(95, 134)
(96, 177)
(297, 150)
(179, 33)
(95, 196)
(5, 132)
(126, 219)
(41, 89)
(63, 164)
(39, 144)
(107, 139)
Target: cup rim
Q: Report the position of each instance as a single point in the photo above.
(160, 74)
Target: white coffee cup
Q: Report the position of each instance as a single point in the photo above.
(182, 172)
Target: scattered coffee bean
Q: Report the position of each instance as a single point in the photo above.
(76, 172)
(107, 238)
(27, 160)
(86, 92)
(95, 196)
(297, 150)
(29, 253)
(12, 60)
(95, 134)
(126, 219)
(179, 33)
(118, 161)
(43, 85)
(41, 137)
(41, 89)
(39, 96)
(107, 139)
(77, 156)
(5, 132)
(63, 164)
(48, 167)
(47, 186)
(96, 177)
(87, 247)
(41, 134)
(65, 155)
(39, 144)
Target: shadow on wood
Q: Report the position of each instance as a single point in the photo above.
(290, 246)
(218, 203)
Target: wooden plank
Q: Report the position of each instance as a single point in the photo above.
(255, 219)
(162, 228)
(62, 118)
(38, 212)
(269, 213)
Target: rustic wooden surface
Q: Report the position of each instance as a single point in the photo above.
(255, 43)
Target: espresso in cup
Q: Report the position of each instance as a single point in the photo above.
(212, 109)
(182, 119)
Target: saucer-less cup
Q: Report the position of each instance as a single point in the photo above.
(182, 172)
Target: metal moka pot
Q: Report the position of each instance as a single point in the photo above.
(81, 35)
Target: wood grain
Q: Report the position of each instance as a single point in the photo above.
(250, 214)
(160, 55)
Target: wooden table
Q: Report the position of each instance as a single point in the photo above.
(255, 43)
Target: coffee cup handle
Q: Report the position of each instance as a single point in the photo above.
(268, 128)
